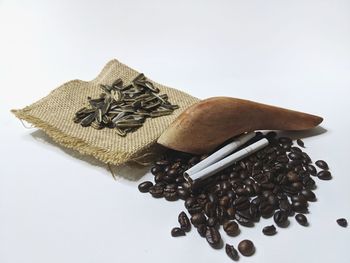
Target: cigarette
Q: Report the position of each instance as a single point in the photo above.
(220, 154)
(226, 162)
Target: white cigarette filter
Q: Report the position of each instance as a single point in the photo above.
(220, 154)
(224, 163)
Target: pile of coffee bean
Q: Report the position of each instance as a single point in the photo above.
(277, 181)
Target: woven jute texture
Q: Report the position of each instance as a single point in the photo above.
(53, 114)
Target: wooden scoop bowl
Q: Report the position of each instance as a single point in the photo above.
(210, 122)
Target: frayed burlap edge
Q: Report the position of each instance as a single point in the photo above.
(144, 157)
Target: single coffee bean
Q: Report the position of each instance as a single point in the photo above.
(156, 191)
(212, 221)
(269, 230)
(183, 193)
(213, 237)
(162, 163)
(231, 228)
(284, 205)
(243, 218)
(299, 198)
(292, 177)
(299, 207)
(306, 158)
(300, 143)
(246, 247)
(176, 232)
(184, 222)
(190, 202)
(324, 175)
(296, 150)
(309, 195)
(280, 218)
(284, 140)
(322, 164)
(202, 229)
(224, 201)
(241, 203)
(156, 169)
(231, 213)
(145, 186)
(342, 222)
(311, 169)
(231, 252)
(301, 219)
(198, 219)
(265, 209)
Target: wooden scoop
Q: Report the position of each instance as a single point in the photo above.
(208, 123)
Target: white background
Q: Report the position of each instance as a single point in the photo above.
(56, 206)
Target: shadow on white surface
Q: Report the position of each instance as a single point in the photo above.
(129, 171)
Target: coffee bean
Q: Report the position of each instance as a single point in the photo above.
(246, 247)
(145, 186)
(241, 203)
(265, 209)
(324, 175)
(201, 229)
(299, 207)
(231, 228)
(300, 143)
(183, 193)
(190, 202)
(285, 140)
(156, 191)
(213, 237)
(212, 221)
(155, 170)
(309, 195)
(184, 222)
(176, 232)
(280, 218)
(243, 219)
(231, 213)
(198, 219)
(342, 222)
(292, 177)
(269, 230)
(301, 219)
(322, 164)
(231, 252)
(284, 205)
(311, 169)
(170, 192)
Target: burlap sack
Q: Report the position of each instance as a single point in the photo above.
(53, 114)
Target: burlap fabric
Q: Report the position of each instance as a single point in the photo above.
(53, 114)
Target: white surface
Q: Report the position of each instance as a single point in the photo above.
(56, 208)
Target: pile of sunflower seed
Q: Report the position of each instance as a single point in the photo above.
(125, 107)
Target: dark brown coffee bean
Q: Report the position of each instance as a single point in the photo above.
(265, 209)
(299, 198)
(241, 203)
(190, 202)
(342, 222)
(213, 237)
(224, 201)
(324, 175)
(212, 221)
(201, 229)
(243, 219)
(145, 186)
(156, 191)
(280, 218)
(269, 230)
(306, 158)
(322, 164)
(311, 169)
(301, 219)
(176, 232)
(231, 213)
(170, 192)
(292, 177)
(183, 193)
(162, 163)
(231, 228)
(246, 247)
(184, 222)
(195, 209)
(294, 156)
(210, 209)
(156, 170)
(309, 195)
(299, 207)
(284, 205)
(300, 143)
(231, 252)
(284, 140)
(198, 219)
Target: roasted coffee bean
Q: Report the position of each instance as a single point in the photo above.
(244, 219)
(213, 237)
(183, 193)
(308, 183)
(294, 156)
(195, 209)
(202, 229)
(342, 222)
(300, 143)
(269, 230)
(299, 198)
(170, 192)
(265, 209)
(254, 212)
(280, 218)
(184, 222)
(145, 186)
(176, 232)
(162, 163)
(299, 207)
(311, 169)
(198, 219)
(156, 170)
(231, 252)
(296, 150)
(324, 175)
(212, 221)
(190, 202)
(156, 191)
(292, 177)
(224, 201)
(241, 203)
(246, 247)
(284, 140)
(306, 158)
(301, 219)
(210, 209)
(309, 195)
(322, 164)
(284, 205)
(231, 213)
(231, 228)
